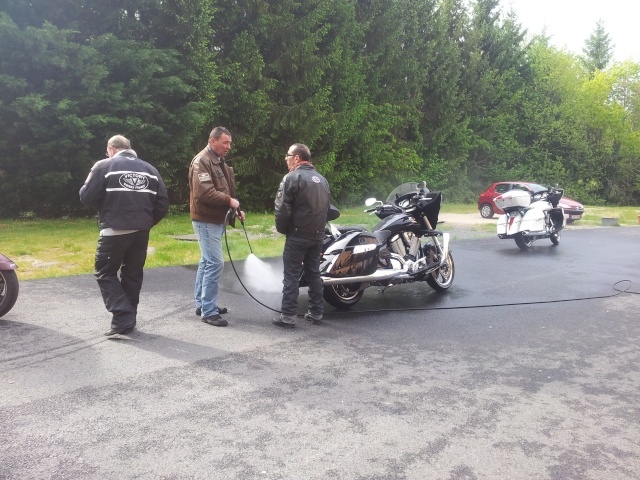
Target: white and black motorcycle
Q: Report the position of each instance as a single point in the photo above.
(530, 216)
(403, 247)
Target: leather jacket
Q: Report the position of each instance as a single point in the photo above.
(302, 203)
(211, 187)
(127, 191)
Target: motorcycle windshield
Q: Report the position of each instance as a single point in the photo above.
(400, 190)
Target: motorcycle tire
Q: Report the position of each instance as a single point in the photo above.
(8, 290)
(555, 238)
(343, 296)
(523, 242)
(441, 279)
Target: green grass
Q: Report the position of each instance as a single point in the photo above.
(626, 215)
(53, 248)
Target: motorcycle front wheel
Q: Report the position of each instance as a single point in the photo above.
(441, 279)
(8, 290)
(343, 296)
(522, 241)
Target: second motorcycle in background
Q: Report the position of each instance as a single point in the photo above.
(530, 216)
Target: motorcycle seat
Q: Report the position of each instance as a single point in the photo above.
(350, 228)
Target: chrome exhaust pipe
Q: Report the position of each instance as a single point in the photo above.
(541, 233)
(377, 276)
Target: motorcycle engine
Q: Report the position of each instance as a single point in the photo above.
(405, 244)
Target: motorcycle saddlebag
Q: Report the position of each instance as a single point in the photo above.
(359, 257)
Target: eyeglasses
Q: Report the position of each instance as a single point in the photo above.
(290, 154)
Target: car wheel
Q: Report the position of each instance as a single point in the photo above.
(486, 210)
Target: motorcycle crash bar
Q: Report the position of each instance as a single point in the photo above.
(376, 276)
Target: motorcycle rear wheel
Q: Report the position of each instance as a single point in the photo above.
(522, 241)
(8, 290)
(555, 238)
(343, 296)
(441, 279)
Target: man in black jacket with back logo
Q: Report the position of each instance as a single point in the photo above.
(301, 208)
(131, 198)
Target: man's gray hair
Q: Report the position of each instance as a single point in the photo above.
(119, 142)
(218, 132)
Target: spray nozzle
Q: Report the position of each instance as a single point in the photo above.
(232, 213)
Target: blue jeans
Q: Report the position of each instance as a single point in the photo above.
(209, 237)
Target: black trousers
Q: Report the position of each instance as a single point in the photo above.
(299, 254)
(127, 254)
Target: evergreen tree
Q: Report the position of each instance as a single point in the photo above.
(295, 72)
(494, 80)
(66, 89)
(598, 49)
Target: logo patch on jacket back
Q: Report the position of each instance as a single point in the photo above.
(315, 179)
(134, 181)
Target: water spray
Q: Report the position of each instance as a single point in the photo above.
(230, 215)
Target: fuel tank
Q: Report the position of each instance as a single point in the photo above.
(398, 221)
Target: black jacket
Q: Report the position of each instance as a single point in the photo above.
(302, 203)
(127, 191)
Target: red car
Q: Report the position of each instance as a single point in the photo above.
(573, 210)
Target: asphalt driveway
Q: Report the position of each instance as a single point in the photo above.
(508, 375)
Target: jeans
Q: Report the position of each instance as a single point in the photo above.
(300, 253)
(210, 268)
(127, 254)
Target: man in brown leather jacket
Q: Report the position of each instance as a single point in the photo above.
(212, 194)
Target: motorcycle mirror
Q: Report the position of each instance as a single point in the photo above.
(370, 201)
